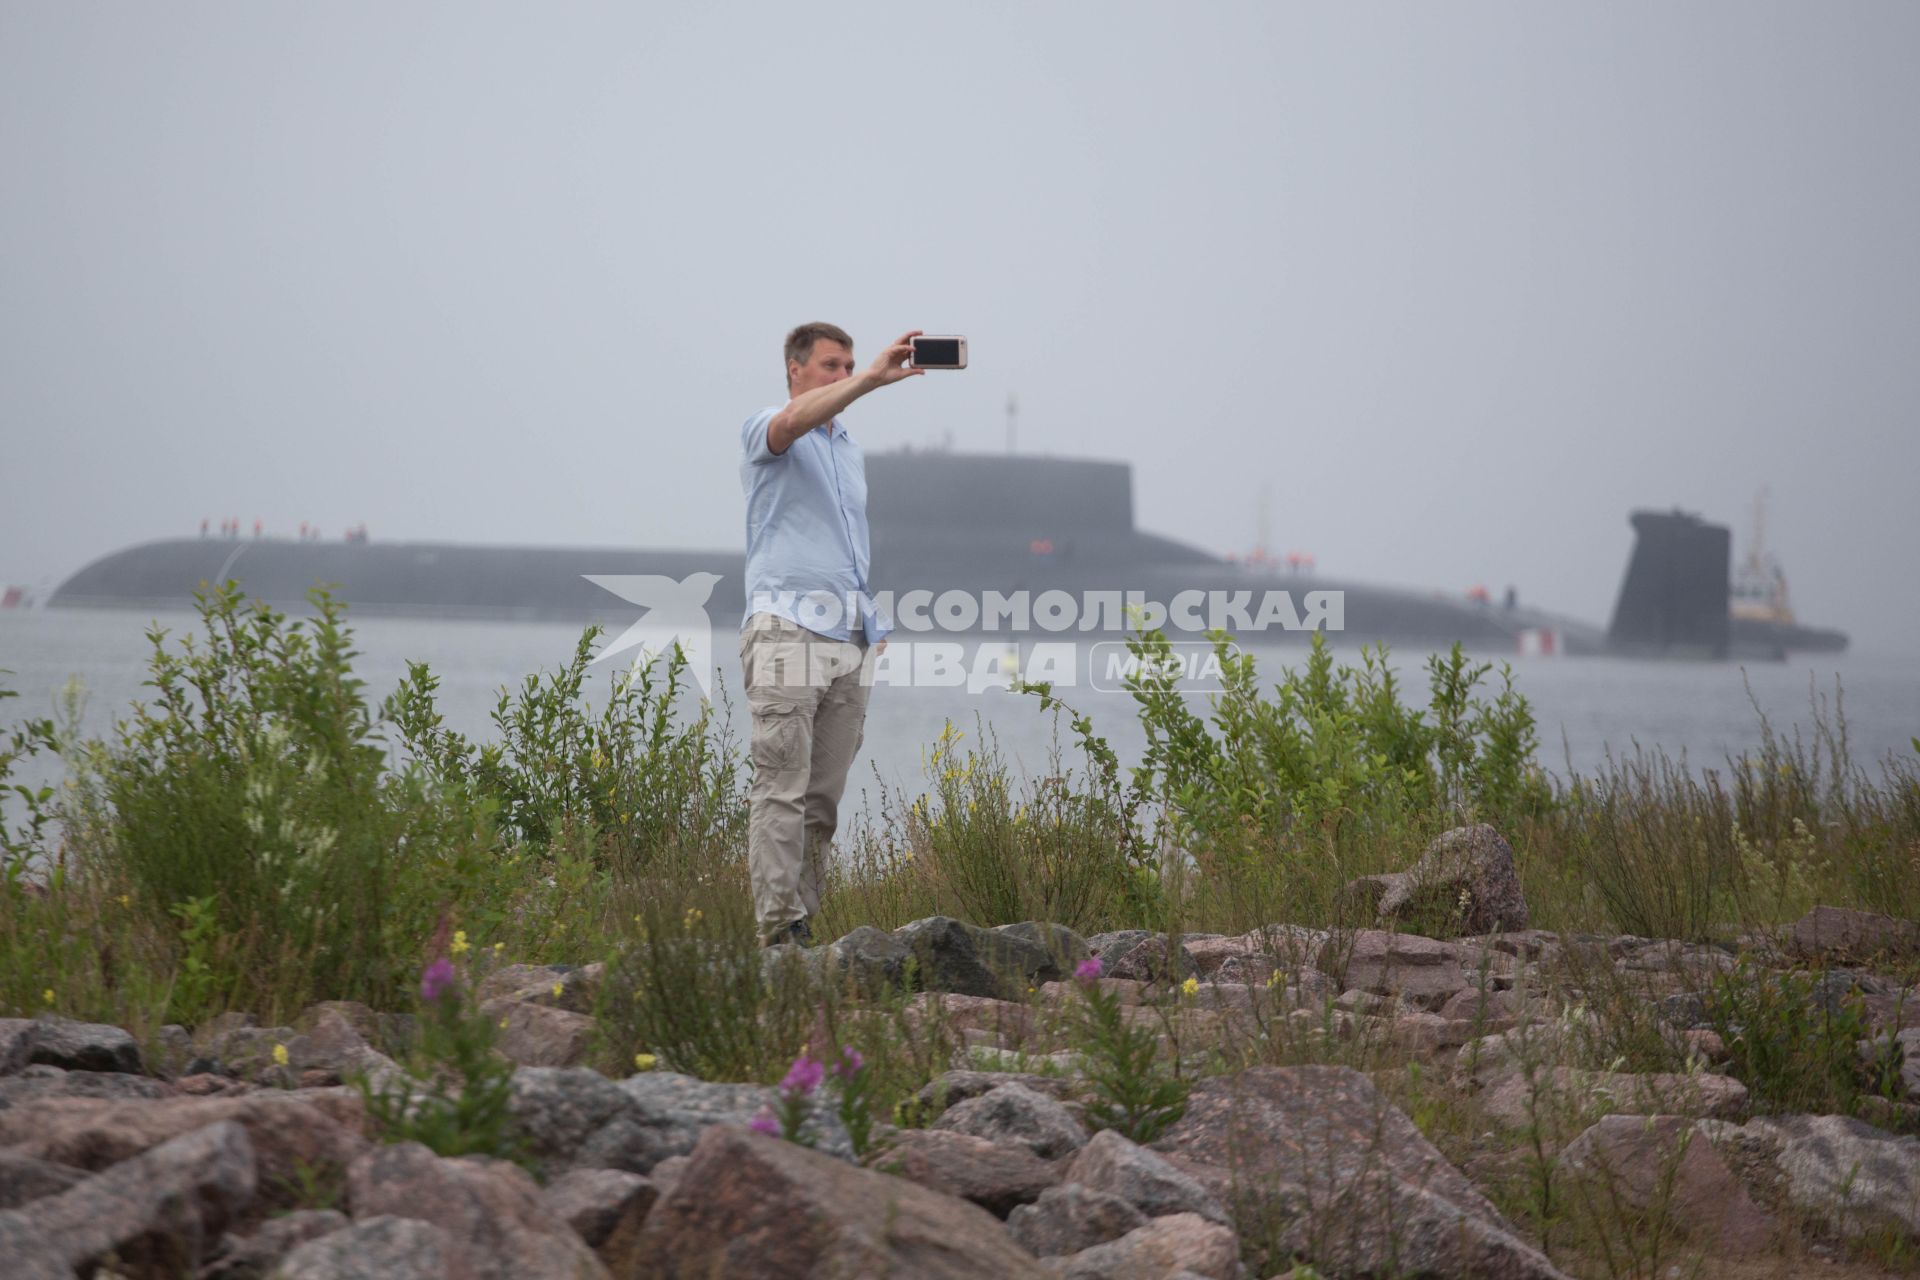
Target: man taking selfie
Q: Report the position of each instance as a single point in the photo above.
(804, 646)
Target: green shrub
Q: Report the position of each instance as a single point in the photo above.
(1794, 1040)
(1274, 799)
(256, 782)
(1331, 744)
(633, 779)
(20, 844)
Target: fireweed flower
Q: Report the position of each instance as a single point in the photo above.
(437, 978)
(850, 1063)
(804, 1076)
(763, 1122)
(1088, 970)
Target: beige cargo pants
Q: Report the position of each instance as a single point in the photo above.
(808, 694)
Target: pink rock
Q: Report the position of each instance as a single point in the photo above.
(538, 1035)
(748, 1205)
(997, 1176)
(1421, 970)
(1321, 1144)
(1513, 1100)
(1011, 1022)
(1660, 1163)
(1210, 953)
(1177, 1244)
(500, 1227)
(293, 1136)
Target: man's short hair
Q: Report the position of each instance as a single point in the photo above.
(800, 341)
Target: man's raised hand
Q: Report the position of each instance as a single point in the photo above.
(891, 364)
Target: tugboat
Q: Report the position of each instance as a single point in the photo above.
(1759, 615)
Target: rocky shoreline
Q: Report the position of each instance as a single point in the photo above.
(236, 1150)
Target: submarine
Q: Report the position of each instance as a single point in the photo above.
(948, 521)
(940, 521)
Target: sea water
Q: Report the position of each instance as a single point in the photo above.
(1585, 707)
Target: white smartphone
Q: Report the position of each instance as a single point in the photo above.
(939, 353)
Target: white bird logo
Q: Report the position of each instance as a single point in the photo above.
(675, 612)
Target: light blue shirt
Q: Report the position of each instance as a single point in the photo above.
(807, 546)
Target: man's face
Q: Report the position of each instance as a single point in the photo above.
(828, 363)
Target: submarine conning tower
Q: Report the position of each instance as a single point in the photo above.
(968, 491)
(1673, 600)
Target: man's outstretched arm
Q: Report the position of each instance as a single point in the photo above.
(819, 406)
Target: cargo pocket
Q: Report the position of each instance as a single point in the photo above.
(780, 737)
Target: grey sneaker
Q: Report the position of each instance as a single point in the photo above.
(797, 932)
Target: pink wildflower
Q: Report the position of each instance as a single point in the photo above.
(850, 1063)
(437, 978)
(763, 1122)
(803, 1077)
(1089, 970)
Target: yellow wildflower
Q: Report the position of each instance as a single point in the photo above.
(557, 988)
(498, 947)
(694, 916)
(126, 899)
(645, 1061)
(1191, 987)
(460, 943)
(503, 1024)
(279, 1055)
(47, 995)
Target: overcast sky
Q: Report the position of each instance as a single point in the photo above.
(1455, 286)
